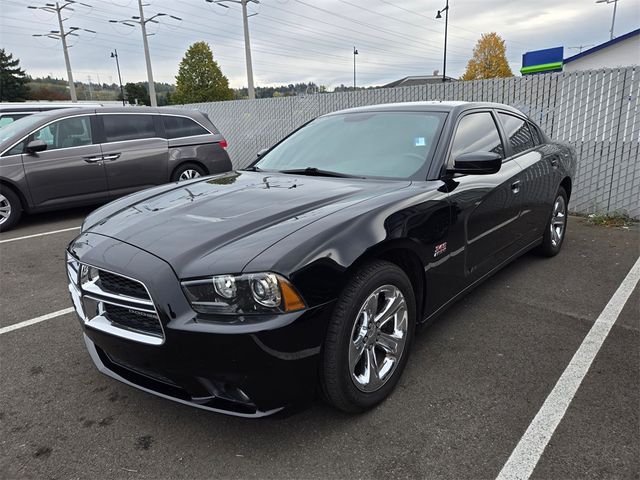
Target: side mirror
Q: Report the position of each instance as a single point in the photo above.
(35, 146)
(262, 152)
(477, 163)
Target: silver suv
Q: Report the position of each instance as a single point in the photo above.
(74, 157)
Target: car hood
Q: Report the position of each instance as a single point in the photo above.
(219, 224)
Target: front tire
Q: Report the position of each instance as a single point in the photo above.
(10, 209)
(369, 338)
(556, 227)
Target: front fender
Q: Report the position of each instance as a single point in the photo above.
(319, 258)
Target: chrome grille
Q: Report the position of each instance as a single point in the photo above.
(133, 319)
(121, 285)
(114, 303)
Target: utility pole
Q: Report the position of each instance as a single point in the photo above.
(90, 88)
(114, 54)
(247, 49)
(613, 21)
(140, 20)
(247, 41)
(355, 52)
(446, 24)
(62, 35)
(145, 43)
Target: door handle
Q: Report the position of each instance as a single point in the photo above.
(111, 157)
(92, 159)
(515, 186)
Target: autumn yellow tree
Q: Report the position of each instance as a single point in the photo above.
(489, 59)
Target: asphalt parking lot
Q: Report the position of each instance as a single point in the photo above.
(476, 379)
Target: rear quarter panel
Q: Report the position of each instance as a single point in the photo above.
(203, 149)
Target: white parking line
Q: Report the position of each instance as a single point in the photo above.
(527, 453)
(38, 235)
(26, 323)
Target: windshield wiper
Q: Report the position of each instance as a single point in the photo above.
(316, 172)
(252, 169)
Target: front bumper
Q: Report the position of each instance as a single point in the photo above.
(252, 366)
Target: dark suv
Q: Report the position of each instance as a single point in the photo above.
(73, 157)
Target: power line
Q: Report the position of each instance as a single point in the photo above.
(455, 26)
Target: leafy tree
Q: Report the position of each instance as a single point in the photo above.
(489, 59)
(13, 81)
(136, 94)
(199, 78)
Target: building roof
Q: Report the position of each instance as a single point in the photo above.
(603, 45)
(417, 80)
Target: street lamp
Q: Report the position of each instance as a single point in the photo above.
(114, 54)
(355, 52)
(446, 24)
(615, 5)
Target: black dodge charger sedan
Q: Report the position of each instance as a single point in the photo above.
(310, 270)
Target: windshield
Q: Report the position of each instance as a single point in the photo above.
(26, 123)
(369, 144)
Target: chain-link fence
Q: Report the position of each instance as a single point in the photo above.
(595, 111)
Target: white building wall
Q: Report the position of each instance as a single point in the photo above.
(622, 54)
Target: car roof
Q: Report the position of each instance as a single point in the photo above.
(63, 112)
(42, 106)
(428, 106)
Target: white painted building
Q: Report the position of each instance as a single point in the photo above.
(622, 51)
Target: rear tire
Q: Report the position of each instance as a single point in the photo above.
(187, 171)
(10, 209)
(556, 227)
(369, 338)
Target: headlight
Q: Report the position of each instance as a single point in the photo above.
(243, 294)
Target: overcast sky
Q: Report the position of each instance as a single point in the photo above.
(306, 40)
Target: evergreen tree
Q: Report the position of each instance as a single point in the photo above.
(199, 78)
(13, 81)
(136, 94)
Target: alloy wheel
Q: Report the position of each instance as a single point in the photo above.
(558, 221)
(188, 174)
(378, 338)
(5, 209)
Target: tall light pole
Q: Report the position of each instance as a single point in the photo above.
(62, 35)
(140, 20)
(247, 41)
(613, 21)
(446, 24)
(355, 52)
(114, 54)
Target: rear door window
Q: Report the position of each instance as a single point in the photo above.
(476, 132)
(66, 133)
(177, 127)
(118, 128)
(517, 132)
